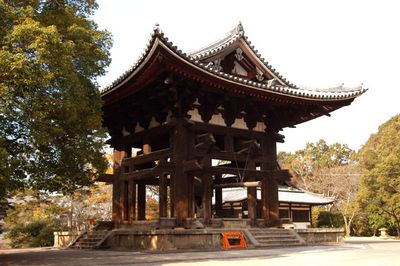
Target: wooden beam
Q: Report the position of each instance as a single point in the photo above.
(239, 184)
(149, 172)
(258, 174)
(107, 178)
(151, 133)
(221, 130)
(228, 156)
(147, 158)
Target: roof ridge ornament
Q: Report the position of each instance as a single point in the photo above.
(239, 28)
(157, 28)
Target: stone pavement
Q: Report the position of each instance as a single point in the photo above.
(363, 251)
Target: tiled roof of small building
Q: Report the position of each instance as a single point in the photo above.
(193, 59)
(288, 195)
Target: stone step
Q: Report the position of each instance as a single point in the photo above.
(271, 234)
(281, 241)
(280, 245)
(97, 234)
(89, 240)
(275, 237)
(93, 238)
(270, 230)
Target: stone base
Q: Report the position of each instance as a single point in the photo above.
(62, 239)
(216, 223)
(314, 236)
(236, 223)
(165, 239)
(165, 222)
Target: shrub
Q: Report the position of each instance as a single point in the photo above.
(37, 233)
(330, 219)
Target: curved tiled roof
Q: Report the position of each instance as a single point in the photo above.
(158, 38)
(231, 39)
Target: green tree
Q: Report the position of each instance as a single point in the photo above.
(51, 137)
(380, 184)
(332, 170)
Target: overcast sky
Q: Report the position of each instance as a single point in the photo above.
(316, 44)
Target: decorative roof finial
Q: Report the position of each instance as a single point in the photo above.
(157, 28)
(239, 27)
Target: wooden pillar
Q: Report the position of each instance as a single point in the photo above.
(124, 203)
(269, 186)
(163, 196)
(190, 193)
(252, 197)
(273, 201)
(228, 141)
(183, 142)
(141, 197)
(171, 196)
(141, 201)
(218, 198)
(118, 155)
(206, 198)
(132, 201)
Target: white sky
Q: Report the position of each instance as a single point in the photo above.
(311, 43)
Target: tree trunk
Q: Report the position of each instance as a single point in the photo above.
(398, 228)
(71, 212)
(346, 226)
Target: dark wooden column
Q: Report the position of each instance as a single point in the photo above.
(171, 196)
(141, 201)
(141, 197)
(182, 196)
(132, 201)
(206, 198)
(124, 203)
(218, 198)
(118, 155)
(163, 196)
(269, 186)
(252, 197)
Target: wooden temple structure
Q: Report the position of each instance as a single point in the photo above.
(194, 123)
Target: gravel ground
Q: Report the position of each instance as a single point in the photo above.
(356, 251)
